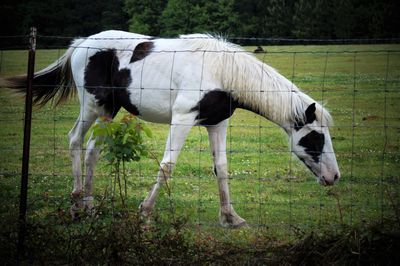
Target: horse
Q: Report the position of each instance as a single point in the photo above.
(191, 80)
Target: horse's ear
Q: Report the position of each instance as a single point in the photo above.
(310, 113)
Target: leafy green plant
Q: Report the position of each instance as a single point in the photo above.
(121, 141)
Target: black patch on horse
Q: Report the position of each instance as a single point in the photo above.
(107, 83)
(313, 143)
(214, 107)
(309, 117)
(142, 50)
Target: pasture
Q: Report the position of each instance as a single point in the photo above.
(276, 194)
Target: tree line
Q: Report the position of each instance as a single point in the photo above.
(299, 19)
(267, 18)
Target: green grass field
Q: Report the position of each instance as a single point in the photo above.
(271, 189)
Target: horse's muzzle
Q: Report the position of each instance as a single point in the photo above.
(329, 181)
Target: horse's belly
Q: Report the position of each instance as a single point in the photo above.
(153, 105)
(155, 115)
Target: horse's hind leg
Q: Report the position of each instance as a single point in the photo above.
(91, 157)
(227, 215)
(76, 138)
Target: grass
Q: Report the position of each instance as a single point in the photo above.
(272, 190)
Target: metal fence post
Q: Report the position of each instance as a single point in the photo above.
(27, 139)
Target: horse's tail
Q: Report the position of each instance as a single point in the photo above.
(55, 82)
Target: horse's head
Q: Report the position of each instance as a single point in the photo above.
(311, 142)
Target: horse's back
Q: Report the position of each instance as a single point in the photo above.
(121, 43)
(112, 39)
(118, 34)
(171, 73)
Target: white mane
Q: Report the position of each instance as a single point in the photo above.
(253, 83)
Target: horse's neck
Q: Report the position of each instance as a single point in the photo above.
(261, 89)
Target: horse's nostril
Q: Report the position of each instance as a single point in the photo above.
(336, 177)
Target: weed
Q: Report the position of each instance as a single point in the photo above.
(121, 142)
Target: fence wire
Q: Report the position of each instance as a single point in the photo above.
(270, 188)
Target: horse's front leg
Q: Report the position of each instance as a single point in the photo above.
(179, 130)
(227, 215)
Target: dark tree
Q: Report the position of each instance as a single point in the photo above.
(280, 18)
(216, 17)
(178, 17)
(144, 16)
(66, 18)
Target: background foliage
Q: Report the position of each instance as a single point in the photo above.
(243, 18)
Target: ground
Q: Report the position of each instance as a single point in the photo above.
(272, 190)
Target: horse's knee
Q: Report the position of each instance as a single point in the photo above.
(165, 171)
(221, 169)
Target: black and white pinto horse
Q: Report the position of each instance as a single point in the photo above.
(192, 80)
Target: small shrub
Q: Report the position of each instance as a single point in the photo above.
(121, 142)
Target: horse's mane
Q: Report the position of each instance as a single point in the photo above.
(253, 83)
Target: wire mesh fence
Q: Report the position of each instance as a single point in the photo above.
(270, 188)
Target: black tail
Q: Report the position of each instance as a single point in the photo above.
(54, 83)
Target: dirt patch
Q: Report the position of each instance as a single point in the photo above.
(371, 118)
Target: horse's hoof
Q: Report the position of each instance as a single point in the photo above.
(231, 220)
(75, 212)
(88, 205)
(242, 224)
(236, 225)
(76, 207)
(145, 213)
